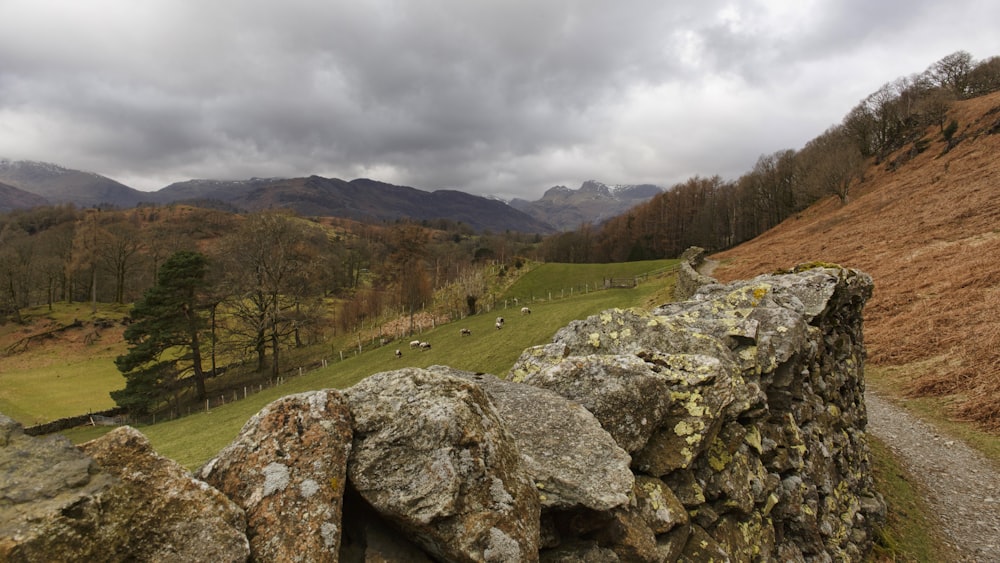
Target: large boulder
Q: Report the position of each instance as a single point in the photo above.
(572, 460)
(625, 394)
(432, 455)
(116, 500)
(287, 469)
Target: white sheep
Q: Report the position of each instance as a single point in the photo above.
(466, 332)
(399, 353)
(414, 344)
(525, 311)
(425, 345)
(499, 325)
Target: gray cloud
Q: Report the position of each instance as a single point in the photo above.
(506, 97)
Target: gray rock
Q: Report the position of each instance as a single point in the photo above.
(628, 398)
(572, 460)
(287, 469)
(432, 455)
(123, 502)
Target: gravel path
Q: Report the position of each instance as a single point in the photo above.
(963, 486)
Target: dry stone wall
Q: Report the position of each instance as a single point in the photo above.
(726, 427)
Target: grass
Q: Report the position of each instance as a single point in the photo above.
(194, 439)
(33, 396)
(907, 535)
(561, 280)
(70, 375)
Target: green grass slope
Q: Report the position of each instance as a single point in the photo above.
(194, 439)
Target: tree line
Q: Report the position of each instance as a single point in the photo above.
(716, 214)
(212, 288)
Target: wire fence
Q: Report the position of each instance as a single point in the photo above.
(378, 334)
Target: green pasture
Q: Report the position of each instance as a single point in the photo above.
(66, 388)
(194, 439)
(49, 381)
(563, 280)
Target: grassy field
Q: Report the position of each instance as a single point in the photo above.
(67, 375)
(194, 439)
(557, 281)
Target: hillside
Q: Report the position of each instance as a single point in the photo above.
(929, 234)
(63, 185)
(12, 198)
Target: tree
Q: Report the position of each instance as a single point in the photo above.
(832, 163)
(118, 246)
(952, 72)
(270, 265)
(165, 335)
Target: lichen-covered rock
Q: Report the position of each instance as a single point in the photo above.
(700, 390)
(759, 423)
(572, 460)
(623, 392)
(659, 507)
(628, 332)
(432, 455)
(287, 469)
(701, 547)
(185, 519)
(116, 500)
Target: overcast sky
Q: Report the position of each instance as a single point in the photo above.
(502, 97)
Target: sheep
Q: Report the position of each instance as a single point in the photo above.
(399, 354)
(466, 332)
(425, 345)
(499, 325)
(415, 344)
(525, 311)
(500, 321)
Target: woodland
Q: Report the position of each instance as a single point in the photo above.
(274, 281)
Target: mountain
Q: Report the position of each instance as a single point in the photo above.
(925, 223)
(12, 198)
(594, 202)
(63, 185)
(361, 199)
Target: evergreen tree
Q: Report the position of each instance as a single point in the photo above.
(164, 337)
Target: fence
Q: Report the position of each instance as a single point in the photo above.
(378, 337)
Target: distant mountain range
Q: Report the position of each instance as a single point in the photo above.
(25, 184)
(595, 202)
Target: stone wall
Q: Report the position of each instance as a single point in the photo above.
(728, 427)
(689, 280)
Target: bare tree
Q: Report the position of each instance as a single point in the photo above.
(118, 246)
(952, 73)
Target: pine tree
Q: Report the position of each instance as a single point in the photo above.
(164, 337)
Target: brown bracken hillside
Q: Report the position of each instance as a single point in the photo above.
(929, 234)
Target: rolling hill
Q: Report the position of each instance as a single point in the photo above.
(64, 185)
(12, 198)
(926, 226)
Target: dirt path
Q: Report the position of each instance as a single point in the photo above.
(963, 486)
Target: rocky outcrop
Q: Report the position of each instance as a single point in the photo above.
(727, 427)
(115, 500)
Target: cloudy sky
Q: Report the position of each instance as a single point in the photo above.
(503, 97)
